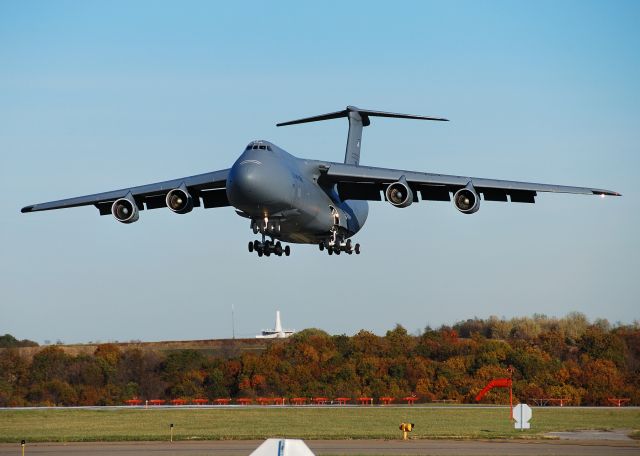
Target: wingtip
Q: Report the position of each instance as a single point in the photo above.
(26, 209)
(604, 193)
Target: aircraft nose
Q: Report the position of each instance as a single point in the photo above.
(243, 182)
(254, 189)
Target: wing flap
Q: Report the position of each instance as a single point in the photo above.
(104, 208)
(435, 193)
(359, 191)
(493, 194)
(156, 201)
(214, 198)
(519, 196)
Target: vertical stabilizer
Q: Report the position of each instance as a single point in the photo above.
(278, 327)
(354, 138)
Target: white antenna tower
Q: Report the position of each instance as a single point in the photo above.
(233, 323)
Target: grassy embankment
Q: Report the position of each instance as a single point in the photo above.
(66, 425)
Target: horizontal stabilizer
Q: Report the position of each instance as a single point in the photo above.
(364, 113)
(358, 118)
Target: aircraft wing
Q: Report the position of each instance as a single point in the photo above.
(368, 183)
(210, 188)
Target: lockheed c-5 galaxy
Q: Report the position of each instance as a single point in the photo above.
(294, 200)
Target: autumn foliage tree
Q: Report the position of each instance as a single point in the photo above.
(552, 358)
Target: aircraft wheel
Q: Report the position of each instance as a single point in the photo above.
(250, 246)
(260, 253)
(338, 251)
(357, 249)
(321, 245)
(330, 251)
(287, 250)
(256, 245)
(278, 248)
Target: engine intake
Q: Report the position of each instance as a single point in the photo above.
(125, 210)
(467, 200)
(179, 200)
(399, 194)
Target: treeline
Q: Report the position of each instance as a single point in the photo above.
(569, 358)
(8, 341)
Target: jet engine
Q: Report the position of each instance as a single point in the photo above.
(125, 210)
(179, 200)
(467, 200)
(399, 194)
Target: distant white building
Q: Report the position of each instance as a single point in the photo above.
(277, 332)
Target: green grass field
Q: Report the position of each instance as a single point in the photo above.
(66, 425)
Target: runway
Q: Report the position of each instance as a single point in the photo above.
(340, 447)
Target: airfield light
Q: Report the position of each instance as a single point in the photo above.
(602, 195)
(171, 433)
(22, 444)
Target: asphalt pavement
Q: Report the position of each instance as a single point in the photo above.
(339, 447)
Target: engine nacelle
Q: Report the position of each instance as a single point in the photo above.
(125, 210)
(399, 194)
(467, 200)
(179, 200)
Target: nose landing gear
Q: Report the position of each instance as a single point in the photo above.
(267, 247)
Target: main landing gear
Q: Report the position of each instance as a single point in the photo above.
(266, 247)
(337, 247)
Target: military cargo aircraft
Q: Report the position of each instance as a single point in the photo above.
(295, 200)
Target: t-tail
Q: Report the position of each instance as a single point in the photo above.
(358, 118)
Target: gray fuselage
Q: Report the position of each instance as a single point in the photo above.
(268, 182)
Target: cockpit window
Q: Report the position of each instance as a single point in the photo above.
(254, 146)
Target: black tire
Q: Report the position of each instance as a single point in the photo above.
(260, 253)
(357, 249)
(287, 250)
(338, 251)
(330, 251)
(256, 245)
(321, 246)
(250, 246)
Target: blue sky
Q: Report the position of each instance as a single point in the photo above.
(102, 95)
